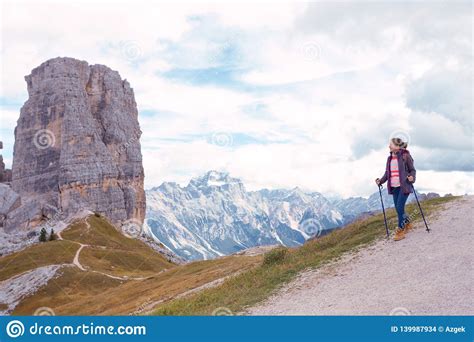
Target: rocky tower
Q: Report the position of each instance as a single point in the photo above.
(77, 145)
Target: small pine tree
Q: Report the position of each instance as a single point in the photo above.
(52, 235)
(43, 234)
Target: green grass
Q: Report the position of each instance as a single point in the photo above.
(111, 252)
(101, 233)
(38, 255)
(275, 256)
(67, 292)
(121, 262)
(74, 292)
(255, 285)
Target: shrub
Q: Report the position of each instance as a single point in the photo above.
(275, 256)
(52, 235)
(43, 235)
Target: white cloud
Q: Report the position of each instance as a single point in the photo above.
(319, 87)
(286, 166)
(454, 182)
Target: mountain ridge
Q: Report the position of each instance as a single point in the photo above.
(214, 215)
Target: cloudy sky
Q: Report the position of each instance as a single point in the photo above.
(277, 94)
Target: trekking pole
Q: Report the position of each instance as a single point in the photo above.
(383, 209)
(419, 206)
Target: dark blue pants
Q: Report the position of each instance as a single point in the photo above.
(399, 200)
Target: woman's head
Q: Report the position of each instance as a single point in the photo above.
(396, 144)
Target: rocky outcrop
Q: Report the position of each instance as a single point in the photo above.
(77, 146)
(9, 199)
(5, 174)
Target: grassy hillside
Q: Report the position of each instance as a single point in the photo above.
(48, 253)
(282, 265)
(146, 277)
(125, 276)
(88, 293)
(111, 252)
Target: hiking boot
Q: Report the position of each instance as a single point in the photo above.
(399, 234)
(407, 227)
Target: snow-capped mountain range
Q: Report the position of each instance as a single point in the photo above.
(214, 215)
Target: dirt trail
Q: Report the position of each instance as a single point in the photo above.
(424, 274)
(76, 258)
(78, 252)
(82, 268)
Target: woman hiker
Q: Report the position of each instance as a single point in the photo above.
(399, 172)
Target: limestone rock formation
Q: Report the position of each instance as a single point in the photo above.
(5, 174)
(9, 200)
(77, 146)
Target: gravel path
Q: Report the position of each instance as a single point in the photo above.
(424, 274)
(76, 257)
(77, 263)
